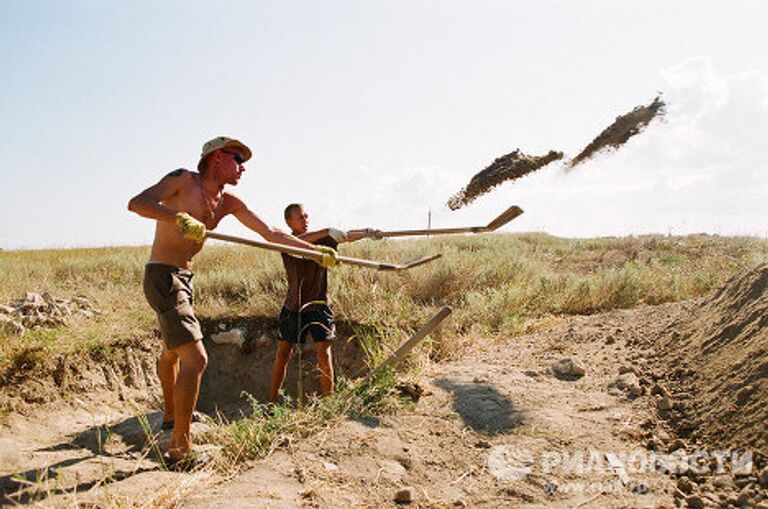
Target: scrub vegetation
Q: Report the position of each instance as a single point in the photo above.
(499, 286)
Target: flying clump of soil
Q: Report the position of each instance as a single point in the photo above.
(514, 165)
(508, 167)
(623, 128)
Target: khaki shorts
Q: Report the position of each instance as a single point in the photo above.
(168, 290)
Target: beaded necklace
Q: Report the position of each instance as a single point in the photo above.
(206, 201)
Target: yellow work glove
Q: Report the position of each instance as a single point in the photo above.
(329, 256)
(190, 227)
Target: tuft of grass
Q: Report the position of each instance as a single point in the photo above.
(272, 426)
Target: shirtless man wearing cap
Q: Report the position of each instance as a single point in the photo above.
(185, 204)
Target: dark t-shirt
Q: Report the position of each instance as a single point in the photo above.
(307, 275)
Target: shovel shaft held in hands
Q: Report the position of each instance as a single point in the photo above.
(317, 256)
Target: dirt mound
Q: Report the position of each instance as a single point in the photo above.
(717, 360)
(508, 167)
(623, 128)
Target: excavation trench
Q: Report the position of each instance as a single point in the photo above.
(236, 376)
(126, 372)
(701, 368)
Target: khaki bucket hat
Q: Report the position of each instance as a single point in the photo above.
(220, 143)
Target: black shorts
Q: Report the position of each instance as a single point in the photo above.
(317, 321)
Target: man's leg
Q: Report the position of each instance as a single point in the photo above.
(167, 372)
(284, 349)
(325, 365)
(192, 363)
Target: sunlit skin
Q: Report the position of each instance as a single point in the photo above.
(202, 195)
(298, 222)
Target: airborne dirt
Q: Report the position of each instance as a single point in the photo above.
(497, 428)
(511, 166)
(515, 165)
(621, 130)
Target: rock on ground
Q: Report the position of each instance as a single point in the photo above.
(404, 495)
(567, 367)
(628, 383)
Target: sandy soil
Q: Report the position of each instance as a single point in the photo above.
(497, 428)
(483, 422)
(478, 435)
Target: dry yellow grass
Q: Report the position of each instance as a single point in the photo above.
(498, 285)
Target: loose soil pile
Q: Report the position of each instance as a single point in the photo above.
(508, 167)
(623, 128)
(717, 362)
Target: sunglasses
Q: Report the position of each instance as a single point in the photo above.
(238, 157)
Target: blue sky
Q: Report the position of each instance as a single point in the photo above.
(371, 113)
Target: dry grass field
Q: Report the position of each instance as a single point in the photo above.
(520, 302)
(499, 286)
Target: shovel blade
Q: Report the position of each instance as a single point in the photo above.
(505, 217)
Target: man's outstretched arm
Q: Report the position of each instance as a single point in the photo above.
(236, 207)
(341, 236)
(317, 235)
(365, 233)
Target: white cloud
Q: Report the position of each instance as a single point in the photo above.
(702, 169)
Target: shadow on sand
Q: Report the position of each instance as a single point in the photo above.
(104, 455)
(482, 407)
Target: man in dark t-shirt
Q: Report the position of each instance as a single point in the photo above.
(307, 311)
